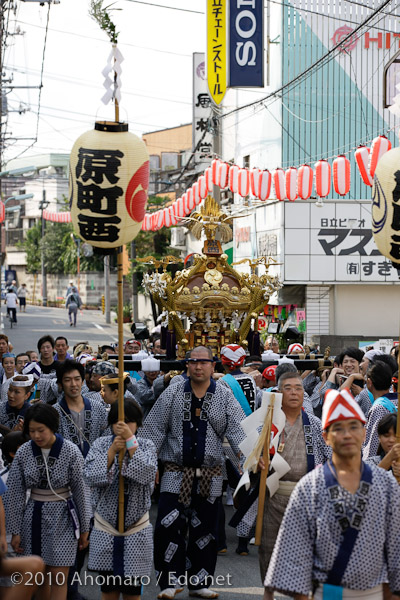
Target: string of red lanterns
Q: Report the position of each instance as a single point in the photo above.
(289, 184)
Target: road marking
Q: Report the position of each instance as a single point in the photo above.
(98, 326)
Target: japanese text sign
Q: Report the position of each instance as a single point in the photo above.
(216, 49)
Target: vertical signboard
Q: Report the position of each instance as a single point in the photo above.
(201, 106)
(216, 49)
(246, 48)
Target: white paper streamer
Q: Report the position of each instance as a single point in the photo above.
(252, 426)
(113, 87)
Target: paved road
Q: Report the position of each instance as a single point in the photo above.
(38, 321)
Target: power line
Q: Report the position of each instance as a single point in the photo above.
(324, 15)
(197, 12)
(40, 87)
(122, 44)
(78, 81)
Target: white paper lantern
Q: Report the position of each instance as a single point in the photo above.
(109, 179)
(386, 205)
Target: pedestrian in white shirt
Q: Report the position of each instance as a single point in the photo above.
(21, 293)
(11, 302)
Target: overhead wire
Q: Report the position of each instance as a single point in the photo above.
(79, 81)
(41, 85)
(169, 7)
(106, 41)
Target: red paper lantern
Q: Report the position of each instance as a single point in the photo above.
(291, 184)
(341, 175)
(362, 157)
(203, 190)
(233, 178)
(159, 220)
(169, 217)
(196, 194)
(305, 178)
(279, 183)
(190, 199)
(180, 208)
(255, 181)
(215, 170)
(243, 182)
(185, 203)
(322, 178)
(223, 175)
(379, 146)
(209, 181)
(146, 225)
(264, 185)
(3, 212)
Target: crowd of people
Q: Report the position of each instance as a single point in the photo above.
(329, 530)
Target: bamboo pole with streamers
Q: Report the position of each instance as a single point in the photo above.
(265, 439)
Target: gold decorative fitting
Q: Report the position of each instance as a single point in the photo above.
(219, 303)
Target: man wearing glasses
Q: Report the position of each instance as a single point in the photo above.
(188, 424)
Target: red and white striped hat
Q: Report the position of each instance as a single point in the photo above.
(340, 406)
(295, 349)
(232, 356)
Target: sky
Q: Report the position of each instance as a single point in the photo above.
(157, 45)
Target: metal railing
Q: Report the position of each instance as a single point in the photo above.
(14, 236)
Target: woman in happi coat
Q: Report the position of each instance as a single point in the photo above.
(12, 412)
(56, 518)
(128, 555)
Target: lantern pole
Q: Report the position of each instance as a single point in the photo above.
(398, 404)
(121, 412)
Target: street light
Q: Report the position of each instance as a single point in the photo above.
(78, 256)
(21, 171)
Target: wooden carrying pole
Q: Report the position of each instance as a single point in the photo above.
(121, 412)
(398, 404)
(264, 473)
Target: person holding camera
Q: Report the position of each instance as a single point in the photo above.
(345, 375)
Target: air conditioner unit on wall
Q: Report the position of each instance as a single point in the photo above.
(178, 237)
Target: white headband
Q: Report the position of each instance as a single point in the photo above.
(19, 383)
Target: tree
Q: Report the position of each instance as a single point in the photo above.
(59, 249)
(31, 245)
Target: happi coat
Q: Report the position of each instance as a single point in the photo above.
(95, 422)
(45, 527)
(128, 556)
(310, 535)
(168, 425)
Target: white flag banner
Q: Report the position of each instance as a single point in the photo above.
(252, 426)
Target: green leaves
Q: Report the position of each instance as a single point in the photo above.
(102, 16)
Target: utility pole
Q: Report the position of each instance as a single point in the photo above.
(135, 308)
(107, 288)
(44, 273)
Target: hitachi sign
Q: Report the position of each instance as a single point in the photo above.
(381, 40)
(371, 40)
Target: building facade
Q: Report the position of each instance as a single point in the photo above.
(331, 100)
